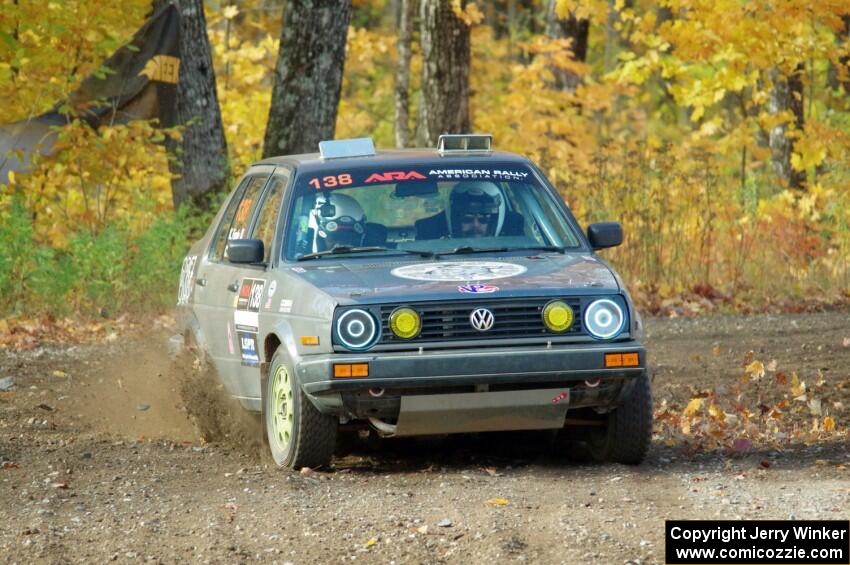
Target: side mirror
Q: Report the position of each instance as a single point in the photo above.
(245, 251)
(605, 234)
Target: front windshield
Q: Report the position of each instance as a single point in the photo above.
(422, 208)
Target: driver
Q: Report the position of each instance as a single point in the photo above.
(475, 209)
(337, 219)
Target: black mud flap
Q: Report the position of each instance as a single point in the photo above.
(264, 381)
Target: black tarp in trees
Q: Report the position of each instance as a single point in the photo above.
(139, 81)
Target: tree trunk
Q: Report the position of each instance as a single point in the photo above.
(308, 76)
(787, 94)
(842, 75)
(402, 76)
(445, 71)
(200, 157)
(575, 29)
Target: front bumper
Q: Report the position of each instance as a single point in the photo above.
(579, 367)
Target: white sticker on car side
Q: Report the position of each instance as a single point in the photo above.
(246, 317)
(285, 306)
(459, 271)
(248, 320)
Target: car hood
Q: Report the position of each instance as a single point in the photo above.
(368, 281)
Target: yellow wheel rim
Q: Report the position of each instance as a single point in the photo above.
(282, 405)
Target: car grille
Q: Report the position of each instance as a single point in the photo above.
(442, 321)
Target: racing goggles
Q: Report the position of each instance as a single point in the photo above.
(342, 223)
(479, 218)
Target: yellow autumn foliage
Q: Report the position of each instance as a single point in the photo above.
(667, 131)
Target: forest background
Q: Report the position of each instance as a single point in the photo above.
(716, 131)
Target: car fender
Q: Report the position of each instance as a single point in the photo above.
(192, 332)
(283, 333)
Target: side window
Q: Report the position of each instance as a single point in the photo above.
(234, 225)
(264, 228)
(220, 238)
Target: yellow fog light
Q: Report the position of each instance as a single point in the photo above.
(558, 316)
(405, 323)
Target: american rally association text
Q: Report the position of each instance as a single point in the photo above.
(744, 532)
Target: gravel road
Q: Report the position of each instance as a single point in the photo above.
(101, 461)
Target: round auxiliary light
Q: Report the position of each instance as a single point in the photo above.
(405, 323)
(356, 329)
(604, 319)
(558, 316)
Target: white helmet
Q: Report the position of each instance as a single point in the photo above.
(475, 197)
(337, 219)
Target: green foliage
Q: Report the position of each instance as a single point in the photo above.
(157, 256)
(111, 271)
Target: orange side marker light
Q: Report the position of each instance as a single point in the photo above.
(630, 360)
(613, 359)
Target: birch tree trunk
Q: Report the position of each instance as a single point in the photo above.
(308, 76)
(787, 94)
(445, 72)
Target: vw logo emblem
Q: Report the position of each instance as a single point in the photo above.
(482, 319)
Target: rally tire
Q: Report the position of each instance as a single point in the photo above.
(627, 436)
(298, 434)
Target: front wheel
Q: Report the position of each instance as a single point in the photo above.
(298, 434)
(628, 433)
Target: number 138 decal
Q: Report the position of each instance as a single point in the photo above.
(330, 182)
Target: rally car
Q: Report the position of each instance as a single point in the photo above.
(415, 292)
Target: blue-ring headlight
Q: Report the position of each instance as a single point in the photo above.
(604, 319)
(356, 329)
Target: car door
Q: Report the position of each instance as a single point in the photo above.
(257, 289)
(221, 280)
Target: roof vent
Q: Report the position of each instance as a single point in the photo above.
(338, 148)
(465, 143)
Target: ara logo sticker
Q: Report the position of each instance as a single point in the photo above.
(478, 288)
(394, 175)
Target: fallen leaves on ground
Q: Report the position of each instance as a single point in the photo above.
(753, 413)
(22, 334)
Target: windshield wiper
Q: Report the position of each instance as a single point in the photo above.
(555, 248)
(342, 249)
(466, 249)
